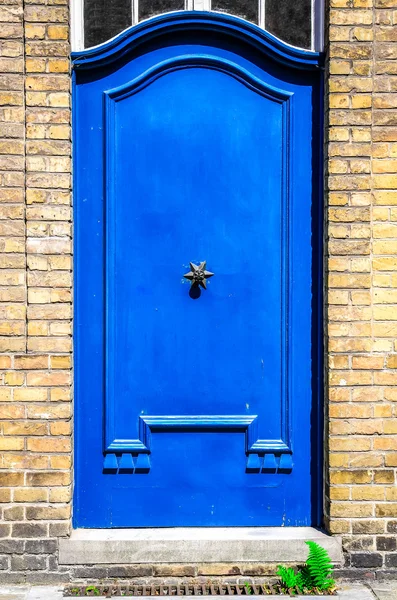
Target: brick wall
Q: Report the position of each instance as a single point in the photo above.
(35, 280)
(362, 279)
(35, 287)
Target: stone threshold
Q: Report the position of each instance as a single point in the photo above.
(194, 545)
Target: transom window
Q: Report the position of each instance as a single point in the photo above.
(297, 22)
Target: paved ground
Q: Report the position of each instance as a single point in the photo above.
(385, 591)
(355, 591)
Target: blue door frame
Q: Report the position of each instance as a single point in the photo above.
(197, 137)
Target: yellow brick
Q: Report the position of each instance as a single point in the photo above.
(388, 329)
(60, 428)
(31, 362)
(362, 34)
(339, 493)
(391, 361)
(14, 378)
(61, 494)
(361, 135)
(34, 31)
(351, 509)
(57, 32)
(390, 427)
(364, 492)
(338, 297)
(30, 394)
(380, 214)
(391, 494)
(58, 65)
(349, 281)
(368, 362)
(384, 166)
(385, 230)
(339, 67)
(338, 134)
(386, 476)
(338, 362)
(35, 65)
(385, 198)
(30, 495)
(48, 444)
(385, 181)
(361, 101)
(365, 459)
(341, 444)
(385, 313)
(347, 411)
(60, 461)
(339, 101)
(382, 410)
(339, 461)
(384, 296)
(37, 328)
(361, 298)
(386, 510)
(357, 477)
(47, 379)
(11, 443)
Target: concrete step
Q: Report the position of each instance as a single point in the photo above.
(194, 545)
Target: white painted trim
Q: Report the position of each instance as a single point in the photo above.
(134, 12)
(262, 13)
(202, 5)
(318, 15)
(77, 24)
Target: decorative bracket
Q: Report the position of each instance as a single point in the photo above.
(127, 456)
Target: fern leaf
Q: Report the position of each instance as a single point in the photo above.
(288, 577)
(319, 566)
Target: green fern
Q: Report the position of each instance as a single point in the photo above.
(319, 567)
(288, 577)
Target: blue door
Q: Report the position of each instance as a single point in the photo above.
(197, 191)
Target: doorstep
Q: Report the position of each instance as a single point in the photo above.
(194, 545)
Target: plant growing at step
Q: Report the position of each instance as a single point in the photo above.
(92, 590)
(248, 589)
(315, 574)
(319, 567)
(289, 579)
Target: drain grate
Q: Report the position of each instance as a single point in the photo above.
(182, 589)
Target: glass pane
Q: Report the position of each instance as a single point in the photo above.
(104, 19)
(246, 9)
(289, 20)
(149, 8)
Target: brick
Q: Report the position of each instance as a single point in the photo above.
(28, 563)
(367, 560)
(368, 526)
(49, 444)
(50, 478)
(386, 510)
(43, 513)
(29, 530)
(30, 495)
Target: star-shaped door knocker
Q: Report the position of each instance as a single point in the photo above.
(198, 275)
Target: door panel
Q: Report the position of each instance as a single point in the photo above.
(194, 406)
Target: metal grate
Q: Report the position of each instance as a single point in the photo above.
(182, 589)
